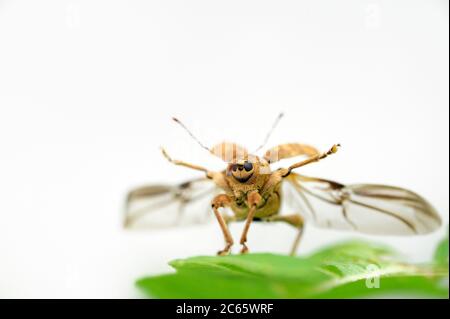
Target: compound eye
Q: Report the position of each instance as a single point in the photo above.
(248, 166)
(234, 168)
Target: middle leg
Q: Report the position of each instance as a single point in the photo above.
(295, 220)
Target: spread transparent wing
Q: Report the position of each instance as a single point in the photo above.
(161, 206)
(367, 208)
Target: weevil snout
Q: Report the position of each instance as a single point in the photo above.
(241, 170)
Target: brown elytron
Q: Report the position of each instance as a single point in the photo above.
(252, 191)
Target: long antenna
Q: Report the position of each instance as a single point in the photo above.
(190, 133)
(274, 125)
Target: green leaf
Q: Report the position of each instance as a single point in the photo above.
(346, 270)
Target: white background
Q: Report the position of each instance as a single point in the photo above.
(87, 89)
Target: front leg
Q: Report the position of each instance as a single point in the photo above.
(222, 201)
(253, 199)
(277, 176)
(312, 159)
(185, 164)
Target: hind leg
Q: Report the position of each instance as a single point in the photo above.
(295, 220)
